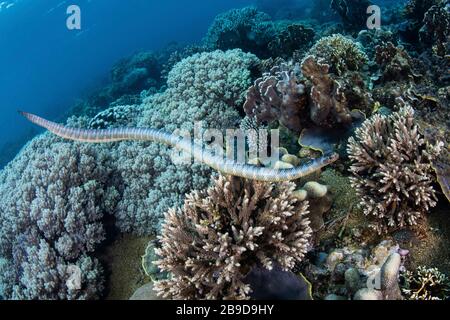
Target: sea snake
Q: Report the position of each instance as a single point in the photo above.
(217, 163)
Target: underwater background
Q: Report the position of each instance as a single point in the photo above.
(367, 80)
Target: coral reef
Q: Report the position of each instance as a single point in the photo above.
(291, 38)
(207, 87)
(392, 170)
(225, 231)
(247, 29)
(426, 284)
(358, 272)
(389, 288)
(278, 96)
(132, 75)
(436, 28)
(319, 200)
(395, 63)
(331, 99)
(120, 256)
(341, 54)
(53, 198)
(114, 117)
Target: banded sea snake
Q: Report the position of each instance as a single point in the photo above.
(217, 163)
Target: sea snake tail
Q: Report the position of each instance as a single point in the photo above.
(217, 163)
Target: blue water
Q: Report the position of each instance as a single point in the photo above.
(45, 68)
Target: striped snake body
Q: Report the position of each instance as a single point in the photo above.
(217, 163)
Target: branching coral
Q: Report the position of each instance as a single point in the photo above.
(340, 53)
(208, 87)
(392, 170)
(222, 233)
(53, 198)
(426, 284)
(278, 96)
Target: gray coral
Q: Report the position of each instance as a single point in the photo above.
(53, 198)
(391, 170)
(222, 233)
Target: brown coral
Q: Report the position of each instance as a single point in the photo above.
(395, 63)
(436, 28)
(392, 170)
(222, 233)
(278, 95)
(331, 97)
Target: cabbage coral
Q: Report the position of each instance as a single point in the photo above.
(222, 233)
(208, 87)
(391, 170)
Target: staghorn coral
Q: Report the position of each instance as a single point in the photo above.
(391, 170)
(53, 198)
(426, 284)
(207, 87)
(278, 96)
(222, 233)
(247, 29)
